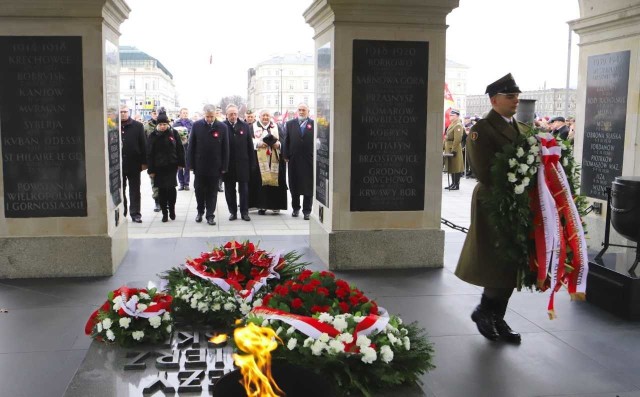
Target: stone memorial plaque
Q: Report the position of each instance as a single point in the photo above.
(112, 89)
(42, 124)
(605, 121)
(323, 123)
(388, 127)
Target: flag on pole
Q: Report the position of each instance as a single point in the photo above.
(449, 104)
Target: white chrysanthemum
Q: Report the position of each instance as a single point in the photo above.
(533, 170)
(565, 162)
(357, 319)
(308, 342)
(244, 308)
(363, 341)
(137, 335)
(124, 322)
(534, 150)
(407, 343)
(340, 323)
(99, 327)
(324, 337)
(532, 140)
(325, 317)
(392, 338)
(110, 335)
(280, 329)
(522, 168)
(194, 303)
(513, 163)
(525, 181)
(169, 328)
(144, 295)
(291, 330)
(216, 307)
(106, 323)
(346, 338)
(155, 321)
(198, 295)
(511, 177)
(335, 346)
(530, 159)
(519, 189)
(257, 302)
(318, 347)
(142, 307)
(293, 342)
(117, 303)
(166, 316)
(369, 355)
(229, 306)
(386, 354)
(520, 152)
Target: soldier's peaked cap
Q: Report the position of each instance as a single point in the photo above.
(504, 85)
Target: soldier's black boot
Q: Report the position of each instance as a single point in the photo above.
(451, 183)
(165, 215)
(484, 318)
(157, 207)
(456, 182)
(504, 331)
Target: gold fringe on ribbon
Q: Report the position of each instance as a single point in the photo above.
(579, 296)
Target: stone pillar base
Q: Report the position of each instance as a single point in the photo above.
(378, 249)
(65, 256)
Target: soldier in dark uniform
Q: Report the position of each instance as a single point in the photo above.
(209, 156)
(477, 264)
(453, 145)
(241, 160)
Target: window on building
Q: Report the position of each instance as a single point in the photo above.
(277, 101)
(305, 84)
(290, 72)
(306, 100)
(291, 100)
(268, 100)
(268, 84)
(292, 84)
(277, 84)
(132, 84)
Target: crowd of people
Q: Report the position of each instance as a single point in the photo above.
(248, 159)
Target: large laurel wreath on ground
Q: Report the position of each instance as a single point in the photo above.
(332, 328)
(223, 284)
(514, 178)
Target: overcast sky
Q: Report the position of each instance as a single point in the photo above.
(492, 37)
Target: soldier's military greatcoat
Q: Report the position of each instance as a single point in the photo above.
(477, 264)
(453, 144)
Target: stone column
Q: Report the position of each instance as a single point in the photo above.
(607, 128)
(60, 197)
(378, 169)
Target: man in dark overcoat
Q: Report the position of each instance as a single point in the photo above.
(241, 160)
(134, 160)
(209, 157)
(298, 153)
(479, 263)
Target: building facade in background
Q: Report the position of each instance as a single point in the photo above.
(455, 75)
(145, 83)
(549, 102)
(280, 83)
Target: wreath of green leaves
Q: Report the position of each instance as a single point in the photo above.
(510, 214)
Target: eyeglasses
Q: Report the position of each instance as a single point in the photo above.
(510, 96)
(124, 111)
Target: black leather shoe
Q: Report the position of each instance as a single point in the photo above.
(506, 333)
(245, 217)
(157, 207)
(172, 214)
(262, 212)
(199, 218)
(186, 187)
(233, 217)
(165, 218)
(448, 187)
(485, 322)
(295, 213)
(181, 188)
(210, 221)
(455, 187)
(137, 219)
(306, 217)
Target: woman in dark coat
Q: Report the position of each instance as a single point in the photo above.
(165, 154)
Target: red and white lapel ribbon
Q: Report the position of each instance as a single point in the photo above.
(557, 224)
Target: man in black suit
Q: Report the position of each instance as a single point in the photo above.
(241, 156)
(559, 128)
(298, 153)
(209, 155)
(134, 161)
